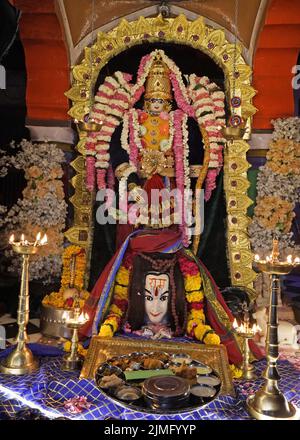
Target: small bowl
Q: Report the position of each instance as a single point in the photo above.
(202, 369)
(213, 381)
(181, 358)
(203, 391)
(159, 355)
(107, 370)
(128, 388)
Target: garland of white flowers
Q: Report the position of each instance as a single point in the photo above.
(201, 100)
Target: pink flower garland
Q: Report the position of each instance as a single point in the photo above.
(90, 172)
(179, 98)
(179, 168)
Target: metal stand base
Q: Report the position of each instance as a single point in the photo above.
(72, 364)
(263, 406)
(19, 362)
(248, 375)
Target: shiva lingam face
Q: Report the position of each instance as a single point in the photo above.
(156, 297)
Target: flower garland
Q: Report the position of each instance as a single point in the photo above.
(201, 100)
(72, 280)
(79, 269)
(196, 327)
(119, 304)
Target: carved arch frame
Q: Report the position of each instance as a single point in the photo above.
(212, 42)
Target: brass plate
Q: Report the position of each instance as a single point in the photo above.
(215, 356)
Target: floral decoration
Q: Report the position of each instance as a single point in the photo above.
(42, 207)
(201, 100)
(278, 186)
(71, 293)
(196, 327)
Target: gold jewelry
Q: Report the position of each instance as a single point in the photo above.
(158, 84)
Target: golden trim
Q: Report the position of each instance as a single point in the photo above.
(213, 43)
(236, 185)
(215, 356)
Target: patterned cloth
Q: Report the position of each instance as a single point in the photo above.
(49, 388)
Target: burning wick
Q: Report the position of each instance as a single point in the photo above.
(289, 259)
(245, 328)
(38, 237)
(12, 238)
(256, 258)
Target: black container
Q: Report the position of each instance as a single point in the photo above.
(166, 392)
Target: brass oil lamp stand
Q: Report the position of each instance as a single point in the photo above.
(246, 333)
(269, 403)
(73, 360)
(21, 360)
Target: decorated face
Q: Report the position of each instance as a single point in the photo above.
(156, 297)
(156, 105)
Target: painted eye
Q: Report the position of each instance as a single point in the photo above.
(164, 298)
(149, 298)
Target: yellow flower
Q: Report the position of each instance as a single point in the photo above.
(106, 331)
(236, 372)
(200, 331)
(195, 296)
(121, 292)
(212, 339)
(112, 320)
(81, 350)
(192, 283)
(115, 309)
(67, 346)
(123, 276)
(196, 315)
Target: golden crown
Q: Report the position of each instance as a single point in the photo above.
(158, 84)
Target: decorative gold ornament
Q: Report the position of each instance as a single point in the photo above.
(158, 84)
(212, 42)
(233, 133)
(154, 162)
(89, 125)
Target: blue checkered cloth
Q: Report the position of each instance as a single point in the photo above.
(48, 388)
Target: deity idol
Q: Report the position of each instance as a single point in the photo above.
(154, 286)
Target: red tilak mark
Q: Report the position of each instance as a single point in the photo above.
(156, 292)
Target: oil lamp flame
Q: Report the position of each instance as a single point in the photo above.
(256, 257)
(246, 328)
(289, 259)
(83, 318)
(44, 240)
(12, 238)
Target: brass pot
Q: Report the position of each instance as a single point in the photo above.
(51, 322)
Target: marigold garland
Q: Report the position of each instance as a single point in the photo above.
(58, 299)
(196, 326)
(119, 305)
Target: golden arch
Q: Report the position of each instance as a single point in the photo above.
(213, 43)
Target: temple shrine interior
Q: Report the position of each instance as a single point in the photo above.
(149, 210)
